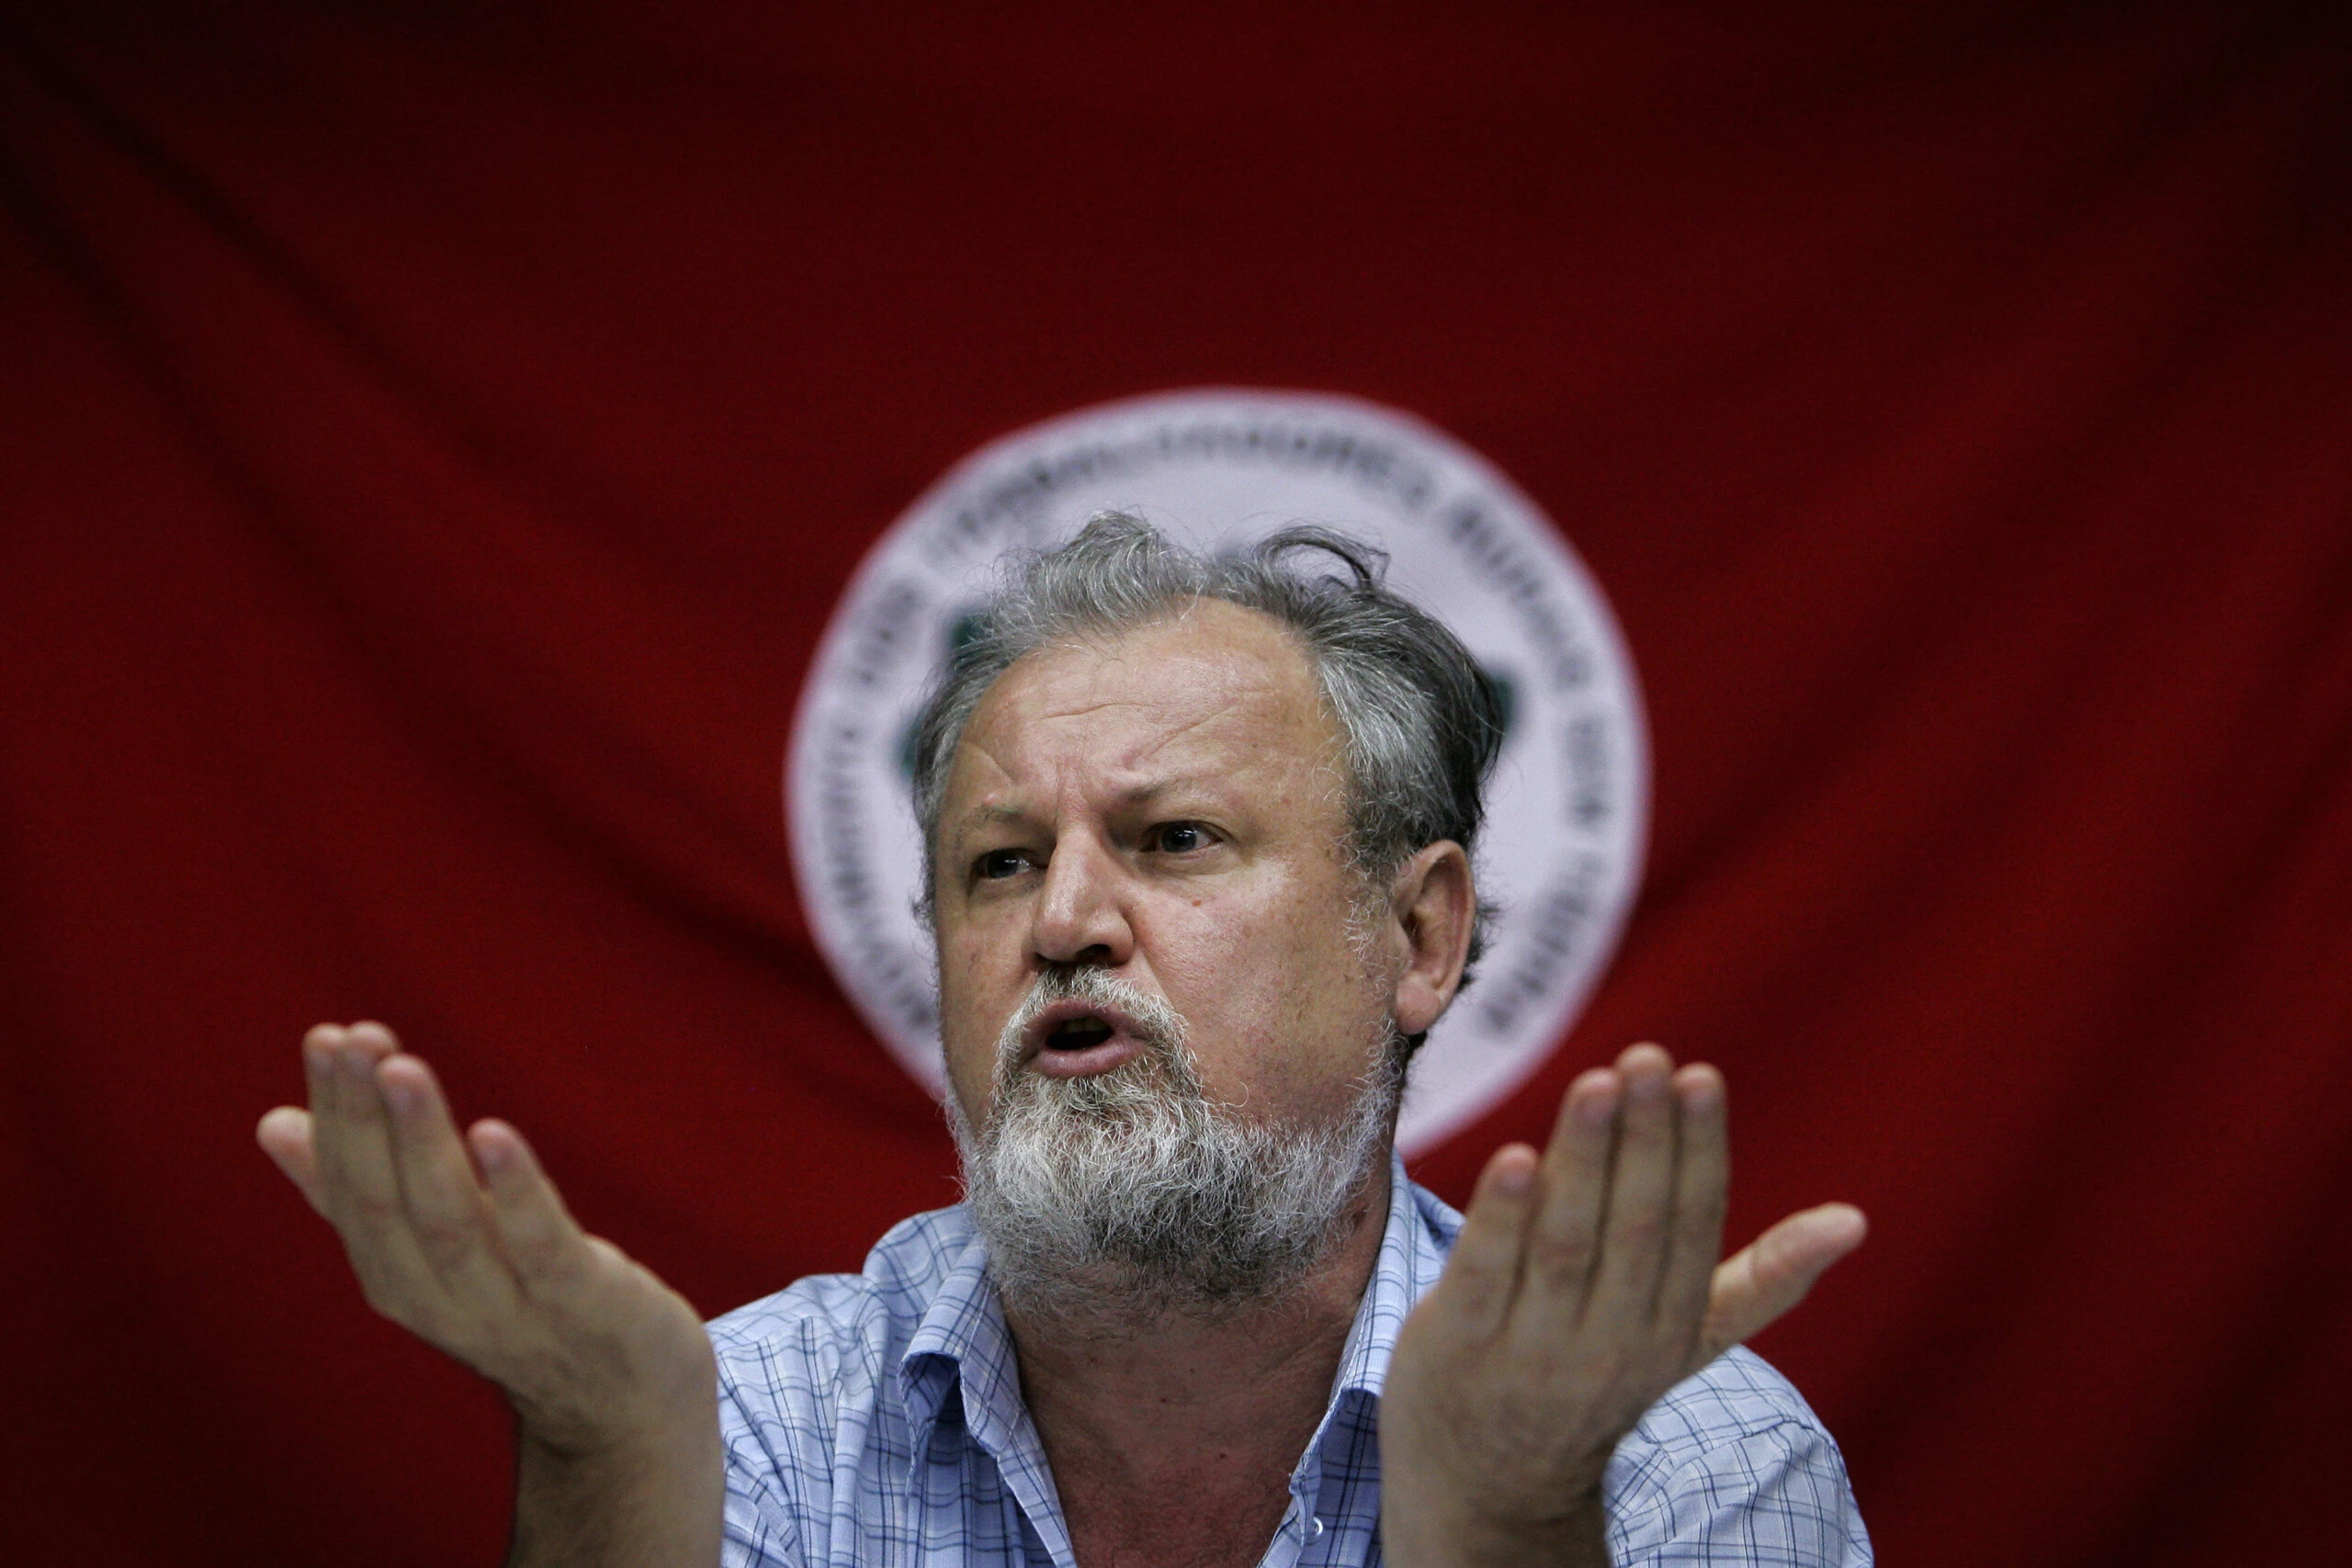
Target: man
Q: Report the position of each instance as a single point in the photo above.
(1200, 839)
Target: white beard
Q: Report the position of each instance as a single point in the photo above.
(1127, 1194)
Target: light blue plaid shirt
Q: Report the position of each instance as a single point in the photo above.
(875, 1420)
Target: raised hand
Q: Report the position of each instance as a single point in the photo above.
(466, 1244)
(1583, 1286)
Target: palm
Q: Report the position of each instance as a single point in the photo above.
(589, 1345)
(1582, 1287)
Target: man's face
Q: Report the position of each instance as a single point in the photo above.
(1166, 805)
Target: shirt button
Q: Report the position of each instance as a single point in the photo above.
(1318, 1527)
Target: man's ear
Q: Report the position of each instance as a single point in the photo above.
(1435, 905)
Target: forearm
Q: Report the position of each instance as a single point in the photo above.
(655, 1505)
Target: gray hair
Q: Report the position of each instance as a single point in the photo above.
(1421, 723)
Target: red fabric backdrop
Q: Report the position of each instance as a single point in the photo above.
(434, 436)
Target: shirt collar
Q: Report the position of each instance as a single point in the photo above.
(1413, 1250)
(959, 1365)
(1413, 1247)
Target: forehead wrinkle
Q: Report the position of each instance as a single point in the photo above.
(983, 810)
(1221, 711)
(1232, 680)
(1126, 786)
(1227, 699)
(1245, 680)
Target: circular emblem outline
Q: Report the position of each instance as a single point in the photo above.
(1568, 811)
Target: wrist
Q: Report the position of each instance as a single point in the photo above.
(646, 1496)
(1421, 1533)
(679, 1417)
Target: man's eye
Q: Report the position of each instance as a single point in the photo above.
(997, 865)
(1179, 837)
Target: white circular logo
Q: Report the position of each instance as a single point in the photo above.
(1566, 811)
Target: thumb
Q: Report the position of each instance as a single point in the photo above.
(1773, 1274)
(284, 1136)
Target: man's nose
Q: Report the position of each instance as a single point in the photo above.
(1082, 910)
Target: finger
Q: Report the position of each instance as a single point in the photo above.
(1702, 1176)
(541, 1242)
(284, 1135)
(358, 1183)
(1641, 1194)
(444, 1205)
(1771, 1275)
(348, 1132)
(323, 1048)
(1483, 1275)
(375, 1040)
(318, 1047)
(1565, 1235)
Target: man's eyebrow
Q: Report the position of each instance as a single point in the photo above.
(987, 815)
(1135, 795)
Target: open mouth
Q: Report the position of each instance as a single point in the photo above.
(1077, 1034)
(1076, 1039)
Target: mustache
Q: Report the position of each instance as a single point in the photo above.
(1157, 1026)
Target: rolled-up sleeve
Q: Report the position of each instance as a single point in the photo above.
(1733, 1467)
